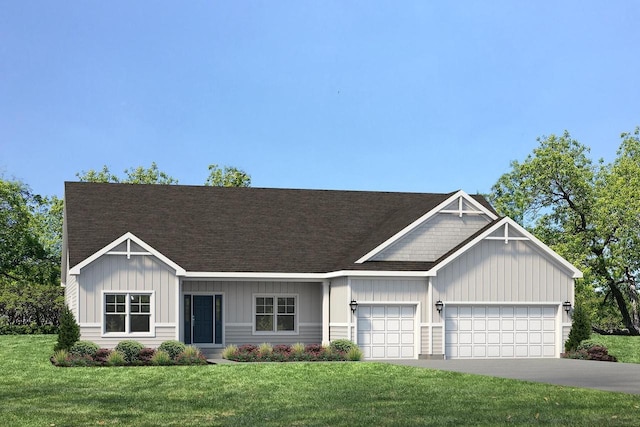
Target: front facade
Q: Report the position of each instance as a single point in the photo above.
(403, 275)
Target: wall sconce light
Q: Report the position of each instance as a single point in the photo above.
(354, 305)
(567, 306)
(439, 306)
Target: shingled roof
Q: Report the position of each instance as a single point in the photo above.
(213, 229)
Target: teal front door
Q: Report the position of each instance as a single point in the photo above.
(203, 319)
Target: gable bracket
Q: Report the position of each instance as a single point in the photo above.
(128, 252)
(506, 236)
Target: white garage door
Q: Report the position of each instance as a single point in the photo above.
(500, 331)
(386, 331)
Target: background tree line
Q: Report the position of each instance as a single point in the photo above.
(31, 298)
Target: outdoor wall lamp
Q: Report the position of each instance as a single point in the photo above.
(354, 305)
(567, 306)
(439, 306)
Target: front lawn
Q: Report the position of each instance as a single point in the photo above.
(34, 392)
(625, 348)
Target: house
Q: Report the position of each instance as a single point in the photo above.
(405, 275)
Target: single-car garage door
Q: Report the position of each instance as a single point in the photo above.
(478, 331)
(387, 331)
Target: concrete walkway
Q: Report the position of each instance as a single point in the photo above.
(608, 376)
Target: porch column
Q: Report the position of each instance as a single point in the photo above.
(325, 312)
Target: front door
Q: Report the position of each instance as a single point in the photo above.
(203, 319)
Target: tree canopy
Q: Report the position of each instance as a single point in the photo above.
(228, 176)
(588, 212)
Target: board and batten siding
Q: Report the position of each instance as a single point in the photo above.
(494, 272)
(435, 237)
(117, 273)
(393, 290)
(238, 309)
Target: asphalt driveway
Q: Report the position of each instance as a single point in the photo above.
(619, 377)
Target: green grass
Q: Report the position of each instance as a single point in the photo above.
(35, 393)
(626, 349)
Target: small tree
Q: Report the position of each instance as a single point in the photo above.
(580, 329)
(68, 332)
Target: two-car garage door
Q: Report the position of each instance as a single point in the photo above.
(481, 331)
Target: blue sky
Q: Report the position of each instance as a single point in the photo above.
(362, 95)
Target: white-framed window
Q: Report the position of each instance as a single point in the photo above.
(128, 313)
(275, 314)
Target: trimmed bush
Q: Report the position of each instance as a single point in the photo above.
(342, 345)
(130, 349)
(102, 355)
(84, 348)
(172, 347)
(589, 350)
(68, 332)
(286, 353)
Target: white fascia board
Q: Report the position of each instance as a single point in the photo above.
(301, 277)
(576, 274)
(423, 219)
(76, 269)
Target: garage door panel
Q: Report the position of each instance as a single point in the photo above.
(500, 331)
(386, 331)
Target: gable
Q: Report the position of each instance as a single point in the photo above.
(127, 246)
(507, 232)
(435, 232)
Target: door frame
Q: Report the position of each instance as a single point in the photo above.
(223, 306)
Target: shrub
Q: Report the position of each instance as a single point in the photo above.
(116, 358)
(84, 360)
(130, 350)
(172, 347)
(590, 350)
(161, 358)
(297, 350)
(68, 332)
(342, 345)
(580, 329)
(61, 358)
(354, 354)
(146, 354)
(230, 351)
(102, 355)
(191, 356)
(282, 349)
(84, 348)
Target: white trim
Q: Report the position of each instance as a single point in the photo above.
(339, 324)
(165, 325)
(326, 300)
(548, 303)
(127, 313)
(275, 296)
(126, 237)
(179, 309)
(90, 325)
(508, 221)
(460, 195)
(300, 277)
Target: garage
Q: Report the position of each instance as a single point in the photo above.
(496, 331)
(387, 331)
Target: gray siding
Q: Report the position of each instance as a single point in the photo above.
(71, 294)
(493, 271)
(238, 297)
(338, 332)
(435, 237)
(394, 290)
(339, 301)
(308, 334)
(117, 273)
(93, 333)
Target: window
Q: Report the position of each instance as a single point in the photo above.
(275, 313)
(127, 313)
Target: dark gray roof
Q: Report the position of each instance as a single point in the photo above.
(244, 229)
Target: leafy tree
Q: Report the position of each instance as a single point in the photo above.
(139, 175)
(228, 176)
(589, 213)
(30, 236)
(69, 331)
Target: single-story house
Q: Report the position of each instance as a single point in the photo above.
(404, 275)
